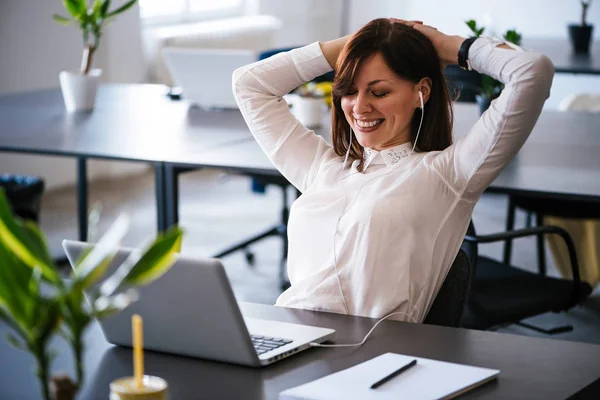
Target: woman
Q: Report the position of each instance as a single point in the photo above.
(377, 234)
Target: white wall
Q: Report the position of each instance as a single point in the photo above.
(533, 18)
(304, 21)
(34, 49)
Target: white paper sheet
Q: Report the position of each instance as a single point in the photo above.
(429, 379)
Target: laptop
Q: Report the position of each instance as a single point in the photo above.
(191, 311)
(204, 75)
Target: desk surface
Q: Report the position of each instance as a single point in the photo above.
(531, 368)
(559, 50)
(129, 122)
(560, 159)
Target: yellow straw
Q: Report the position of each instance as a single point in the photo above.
(138, 355)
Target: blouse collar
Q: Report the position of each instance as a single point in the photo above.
(388, 157)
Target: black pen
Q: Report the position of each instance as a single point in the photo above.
(393, 374)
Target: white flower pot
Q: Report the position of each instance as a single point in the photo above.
(79, 91)
(308, 110)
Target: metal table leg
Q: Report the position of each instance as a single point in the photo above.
(159, 185)
(82, 198)
(171, 194)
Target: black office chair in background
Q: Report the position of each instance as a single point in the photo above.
(24, 194)
(464, 84)
(502, 294)
(543, 207)
(449, 303)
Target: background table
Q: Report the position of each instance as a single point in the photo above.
(531, 368)
(561, 53)
(561, 158)
(137, 123)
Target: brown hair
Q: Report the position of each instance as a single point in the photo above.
(411, 56)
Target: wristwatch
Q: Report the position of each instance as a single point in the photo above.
(463, 54)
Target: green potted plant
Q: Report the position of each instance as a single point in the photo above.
(79, 88)
(581, 34)
(490, 88)
(36, 303)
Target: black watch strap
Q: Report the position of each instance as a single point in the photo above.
(463, 54)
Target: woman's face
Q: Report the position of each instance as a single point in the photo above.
(380, 106)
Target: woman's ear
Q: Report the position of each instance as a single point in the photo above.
(424, 86)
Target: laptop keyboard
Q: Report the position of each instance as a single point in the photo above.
(263, 344)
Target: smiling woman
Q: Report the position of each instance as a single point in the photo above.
(376, 236)
(376, 92)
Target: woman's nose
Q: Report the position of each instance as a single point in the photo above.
(361, 104)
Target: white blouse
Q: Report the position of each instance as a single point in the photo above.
(401, 222)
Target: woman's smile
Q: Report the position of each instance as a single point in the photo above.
(368, 125)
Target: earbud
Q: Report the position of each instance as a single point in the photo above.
(420, 123)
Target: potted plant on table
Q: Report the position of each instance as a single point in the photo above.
(308, 102)
(490, 88)
(79, 88)
(37, 304)
(581, 34)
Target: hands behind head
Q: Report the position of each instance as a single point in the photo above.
(446, 46)
(405, 22)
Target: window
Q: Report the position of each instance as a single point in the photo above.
(181, 11)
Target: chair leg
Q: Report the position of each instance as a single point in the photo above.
(528, 219)
(540, 246)
(510, 224)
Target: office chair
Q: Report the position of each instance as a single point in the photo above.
(465, 84)
(502, 294)
(449, 303)
(540, 208)
(24, 194)
(567, 209)
(280, 229)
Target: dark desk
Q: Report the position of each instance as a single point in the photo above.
(135, 123)
(531, 368)
(559, 160)
(559, 50)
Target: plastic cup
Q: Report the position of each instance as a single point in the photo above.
(153, 388)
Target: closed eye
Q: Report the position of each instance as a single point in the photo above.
(380, 94)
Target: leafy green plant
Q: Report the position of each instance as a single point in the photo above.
(91, 19)
(490, 87)
(37, 303)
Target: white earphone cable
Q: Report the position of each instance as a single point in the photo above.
(420, 123)
(366, 336)
(337, 276)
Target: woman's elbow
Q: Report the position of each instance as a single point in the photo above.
(237, 81)
(543, 69)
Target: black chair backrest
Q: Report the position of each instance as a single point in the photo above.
(464, 83)
(448, 305)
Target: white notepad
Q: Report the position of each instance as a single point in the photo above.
(428, 379)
